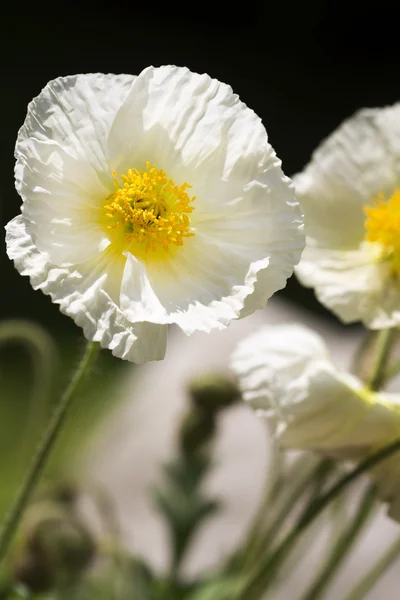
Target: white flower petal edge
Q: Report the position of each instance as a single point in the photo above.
(359, 161)
(81, 137)
(343, 281)
(62, 169)
(286, 374)
(248, 227)
(87, 294)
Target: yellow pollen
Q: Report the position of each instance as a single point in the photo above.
(382, 226)
(148, 214)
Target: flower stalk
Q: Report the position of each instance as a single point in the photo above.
(269, 563)
(373, 575)
(45, 448)
(343, 545)
(385, 342)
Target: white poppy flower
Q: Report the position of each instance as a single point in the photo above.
(150, 200)
(350, 197)
(286, 374)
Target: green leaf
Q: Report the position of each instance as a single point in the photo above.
(222, 589)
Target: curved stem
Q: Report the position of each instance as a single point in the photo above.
(44, 450)
(392, 370)
(44, 358)
(256, 538)
(314, 480)
(361, 353)
(343, 545)
(373, 575)
(384, 346)
(269, 563)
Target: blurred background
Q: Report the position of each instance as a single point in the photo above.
(303, 68)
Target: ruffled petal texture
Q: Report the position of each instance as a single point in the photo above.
(359, 162)
(85, 136)
(62, 171)
(246, 240)
(286, 374)
(89, 294)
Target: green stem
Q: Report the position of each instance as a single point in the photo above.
(316, 480)
(297, 553)
(324, 471)
(373, 575)
(343, 545)
(44, 357)
(269, 562)
(384, 346)
(44, 450)
(364, 346)
(392, 370)
(257, 538)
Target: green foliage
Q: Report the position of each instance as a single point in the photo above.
(28, 392)
(224, 588)
(182, 502)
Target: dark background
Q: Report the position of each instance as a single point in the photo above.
(302, 68)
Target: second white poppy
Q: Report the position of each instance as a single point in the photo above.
(287, 375)
(350, 197)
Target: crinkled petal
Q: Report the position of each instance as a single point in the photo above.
(172, 116)
(258, 225)
(358, 161)
(62, 172)
(199, 291)
(285, 349)
(204, 287)
(334, 415)
(285, 372)
(353, 284)
(247, 223)
(88, 293)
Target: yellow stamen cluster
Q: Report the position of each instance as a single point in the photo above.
(383, 226)
(148, 213)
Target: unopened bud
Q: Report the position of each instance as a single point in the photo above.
(57, 548)
(213, 391)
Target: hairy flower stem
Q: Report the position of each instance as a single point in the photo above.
(384, 346)
(343, 545)
(375, 573)
(45, 447)
(269, 563)
(361, 353)
(43, 354)
(264, 536)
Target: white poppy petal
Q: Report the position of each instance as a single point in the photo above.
(241, 221)
(349, 168)
(169, 177)
(62, 172)
(354, 272)
(286, 373)
(76, 112)
(87, 293)
(351, 283)
(199, 289)
(272, 357)
(172, 116)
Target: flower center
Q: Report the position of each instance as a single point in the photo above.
(148, 214)
(383, 226)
